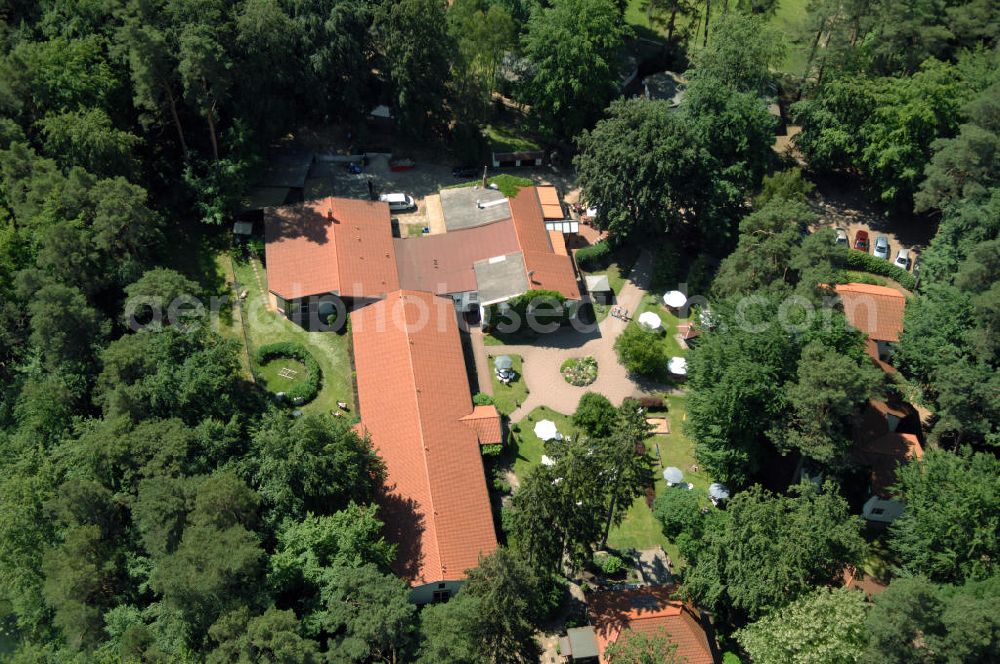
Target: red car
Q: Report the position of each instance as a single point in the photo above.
(861, 241)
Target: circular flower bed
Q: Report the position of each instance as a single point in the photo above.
(579, 371)
(298, 376)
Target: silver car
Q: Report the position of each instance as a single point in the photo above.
(902, 259)
(881, 249)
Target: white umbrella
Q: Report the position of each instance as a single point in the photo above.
(547, 461)
(546, 430)
(673, 475)
(503, 362)
(718, 491)
(650, 320)
(677, 366)
(674, 299)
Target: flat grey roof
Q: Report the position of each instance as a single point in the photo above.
(598, 283)
(461, 211)
(501, 277)
(582, 642)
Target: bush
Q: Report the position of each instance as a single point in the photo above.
(545, 304)
(595, 257)
(491, 450)
(482, 399)
(651, 403)
(608, 563)
(309, 388)
(678, 511)
(640, 351)
(595, 415)
(865, 262)
(514, 428)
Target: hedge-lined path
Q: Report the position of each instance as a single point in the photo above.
(543, 359)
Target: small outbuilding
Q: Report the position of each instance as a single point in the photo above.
(599, 288)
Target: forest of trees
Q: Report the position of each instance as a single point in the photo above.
(155, 506)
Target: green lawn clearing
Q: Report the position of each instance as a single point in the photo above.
(330, 349)
(507, 139)
(283, 373)
(529, 447)
(640, 529)
(507, 184)
(508, 397)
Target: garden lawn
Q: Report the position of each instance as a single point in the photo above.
(506, 139)
(282, 373)
(789, 20)
(529, 447)
(508, 397)
(640, 529)
(668, 337)
(330, 349)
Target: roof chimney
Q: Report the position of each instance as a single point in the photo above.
(531, 276)
(329, 215)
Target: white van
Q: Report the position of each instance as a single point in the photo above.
(398, 202)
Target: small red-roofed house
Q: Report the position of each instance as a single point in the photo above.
(617, 614)
(877, 311)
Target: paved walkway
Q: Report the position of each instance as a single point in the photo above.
(543, 359)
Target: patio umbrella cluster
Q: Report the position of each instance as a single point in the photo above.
(504, 367)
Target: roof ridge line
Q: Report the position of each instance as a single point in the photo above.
(420, 425)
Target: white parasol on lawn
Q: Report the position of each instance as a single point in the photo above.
(673, 475)
(650, 321)
(546, 430)
(674, 299)
(678, 366)
(503, 362)
(718, 492)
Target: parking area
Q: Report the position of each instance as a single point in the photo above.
(846, 209)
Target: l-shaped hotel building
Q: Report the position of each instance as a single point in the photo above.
(413, 388)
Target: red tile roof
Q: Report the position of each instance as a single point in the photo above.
(549, 199)
(884, 454)
(547, 269)
(647, 610)
(875, 310)
(688, 331)
(444, 263)
(331, 245)
(413, 393)
(485, 421)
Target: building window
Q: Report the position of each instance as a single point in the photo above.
(878, 511)
(441, 596)
(442, 585)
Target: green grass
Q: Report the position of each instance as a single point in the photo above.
(667, 338)
(508, 184)
(789, 20)
(854, 276)
(529, 447)
(271, 373)
(640, 529)
(508, 397)
(506, 139)
(331, 350)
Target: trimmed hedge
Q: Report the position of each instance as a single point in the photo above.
(865, 262)
(482, 399)
(594, 257)
(307, 389)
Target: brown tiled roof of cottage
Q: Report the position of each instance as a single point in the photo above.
(549, 199)
(330, 245)
(485, 421)
(648, 610)
(883, 455)
(875, 310)
(444, 263)
(413, 394)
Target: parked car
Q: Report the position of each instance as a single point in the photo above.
(861, 241)
(398, 202)
(902, 259)
(841, 236)
(881, 247)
